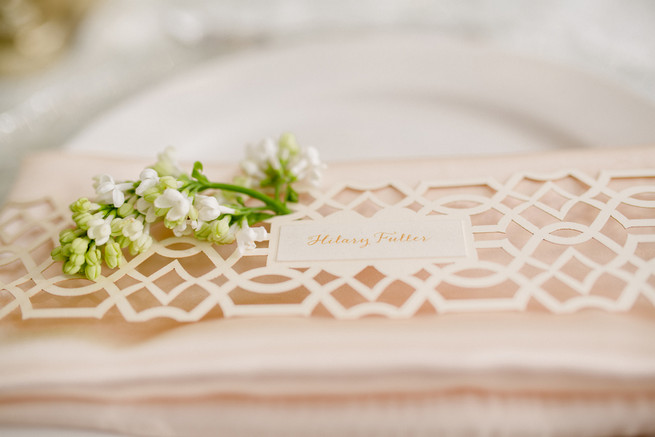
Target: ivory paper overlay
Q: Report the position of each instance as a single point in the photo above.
(557, 242)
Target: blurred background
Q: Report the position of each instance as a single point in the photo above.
(63, 63)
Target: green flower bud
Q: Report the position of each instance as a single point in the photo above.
(66, 250)
(126, 209)
(93, 256)
(81, 205)
(172, 224)
(166, 164)
(123, 241)
(202, 233)
(288, 145)
(160, 212)
(77, 259)
(193, 213)
(151, 194)
(113, 254)
(68, 235)
(57, 254)
(220, 231)
(117, 227)
(70, 268)
(82, 219)
(141, 244)
(92, 271)
(80, 245)
(167, 182)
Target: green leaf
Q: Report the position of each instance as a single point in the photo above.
(258, 217)
(292, 195)
(197, 173)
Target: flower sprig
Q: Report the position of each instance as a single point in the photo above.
(120, 216)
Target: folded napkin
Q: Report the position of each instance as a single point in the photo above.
(537, 320)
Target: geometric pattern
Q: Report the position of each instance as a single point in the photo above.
(557, 243)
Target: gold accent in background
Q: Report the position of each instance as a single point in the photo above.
(34, 32)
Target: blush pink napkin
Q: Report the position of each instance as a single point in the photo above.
(505, 373)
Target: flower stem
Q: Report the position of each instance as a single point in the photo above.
(274, 204)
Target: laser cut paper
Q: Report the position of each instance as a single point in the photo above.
(564, 242)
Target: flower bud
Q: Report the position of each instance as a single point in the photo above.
(193, 213)
(167, 182)
(81, 205)
(66, 250)
(82, 219)
(220, 231)
(92, 271)
(80, 245)
(172, 224)
(288, 145)
(70, 268)
(123, 241)
(68, 235)
(132, 228)
(141, 244)
(93, 256)
(113, 254)
(151, 194)
(57, 254)
(77, 259)
(166, 163)
(117, 227)
(126, 209)
(202, 233)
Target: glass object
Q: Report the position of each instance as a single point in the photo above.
(34, 32)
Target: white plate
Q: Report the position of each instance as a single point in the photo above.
(375, 96)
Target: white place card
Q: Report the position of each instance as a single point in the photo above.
(351, 238)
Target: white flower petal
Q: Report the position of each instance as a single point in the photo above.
(178, 203)
(247, 236)
(148, 173)
(99, 230)
(149, 179)
(226, 209)
(167, 164)
(118, 198)
(132, 228)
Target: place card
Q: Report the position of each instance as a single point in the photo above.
(391, 235)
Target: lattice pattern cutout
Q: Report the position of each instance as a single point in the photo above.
(555, 243)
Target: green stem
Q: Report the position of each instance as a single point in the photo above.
(277, 191)
(275, 205)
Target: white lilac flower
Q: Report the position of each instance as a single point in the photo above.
(303, 163)
(141, 244)
(167, 164)
(179, 204)
(99, 230)
(259, 157)
(185, 227)
(267, 150)
(247, 236)
(146, 208)
(149, 178)
(110, 192)
(209, 208)
(307, 167)
(132, 228)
